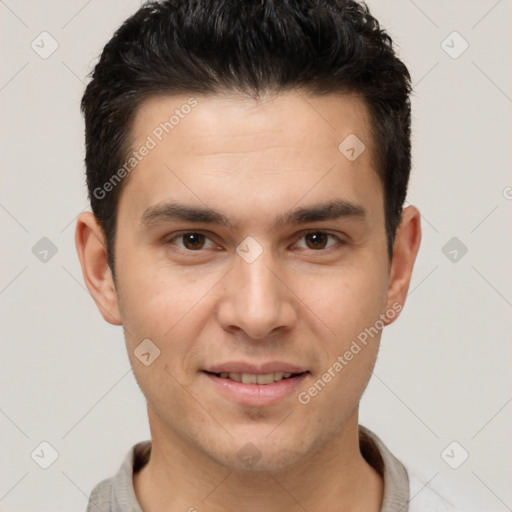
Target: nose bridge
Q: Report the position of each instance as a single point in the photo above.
(259, 284)
(257, 301)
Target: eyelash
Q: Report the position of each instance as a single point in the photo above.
(315, 231)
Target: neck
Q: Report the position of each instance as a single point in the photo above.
(178, 478)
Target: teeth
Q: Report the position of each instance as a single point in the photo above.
(267, 378)
(251, 378)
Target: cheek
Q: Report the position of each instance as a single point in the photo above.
(167, 314)
(348, 300)
(351, 309)
(152, 294)
(168, 307)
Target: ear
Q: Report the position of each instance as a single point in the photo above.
(406, 246)
(92, 252)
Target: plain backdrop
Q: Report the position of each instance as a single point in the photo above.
(443, 373)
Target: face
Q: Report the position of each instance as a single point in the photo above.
(265, 281)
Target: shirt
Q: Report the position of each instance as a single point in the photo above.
(403, 491)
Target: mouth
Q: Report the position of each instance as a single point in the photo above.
(252, 388)
(253, 378)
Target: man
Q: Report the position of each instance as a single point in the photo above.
(247, 165)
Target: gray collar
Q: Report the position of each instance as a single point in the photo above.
(393, 472)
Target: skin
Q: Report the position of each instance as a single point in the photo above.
(252, 161)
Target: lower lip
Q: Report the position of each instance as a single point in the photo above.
(256, 394)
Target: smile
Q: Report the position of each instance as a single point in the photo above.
(255, 390)
(252, 378)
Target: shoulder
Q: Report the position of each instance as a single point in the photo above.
(101, 497)
(116, 494)
(424, 497)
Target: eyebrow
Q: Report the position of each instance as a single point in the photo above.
(175, 211)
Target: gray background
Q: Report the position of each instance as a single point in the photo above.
(443, 373)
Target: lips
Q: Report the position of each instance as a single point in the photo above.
(267, 392)
(256, 385)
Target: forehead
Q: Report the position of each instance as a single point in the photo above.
(208, 149)
(224, 121)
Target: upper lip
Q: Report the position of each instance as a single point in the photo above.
(269, 367)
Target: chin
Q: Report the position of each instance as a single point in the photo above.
(261, 453)
(262, 462)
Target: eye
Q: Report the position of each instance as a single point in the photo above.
(192, 240)
(317, 240)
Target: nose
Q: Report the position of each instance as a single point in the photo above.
(257, 298)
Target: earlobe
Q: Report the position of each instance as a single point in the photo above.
(407, 244)
(92, 252)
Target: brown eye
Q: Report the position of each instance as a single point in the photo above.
(319, 241)
(316, 240)
(189, 241)
(193, 241)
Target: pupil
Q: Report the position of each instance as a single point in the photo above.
(317, 236)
